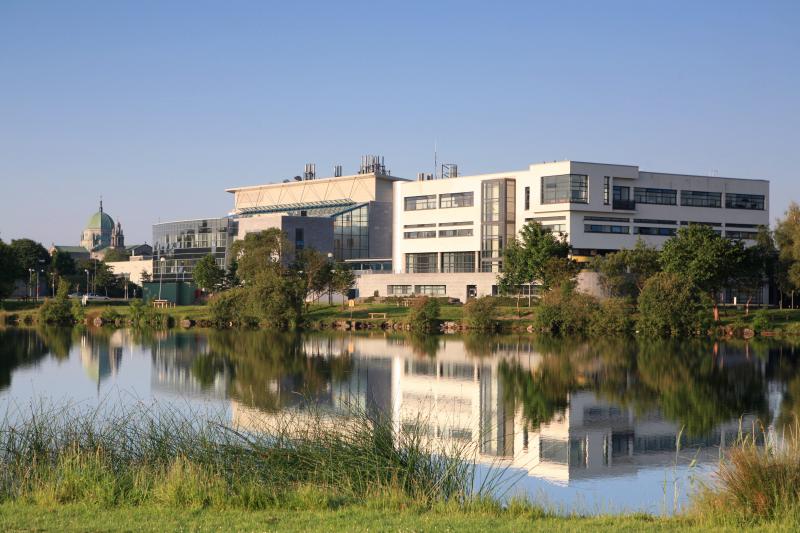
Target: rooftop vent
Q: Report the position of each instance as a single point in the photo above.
(337, 171)
(310, 171)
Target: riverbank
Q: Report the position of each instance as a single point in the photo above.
(389, 315)
(153, 470)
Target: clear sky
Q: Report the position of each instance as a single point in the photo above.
(160, 106)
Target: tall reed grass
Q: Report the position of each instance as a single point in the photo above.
(145, 455)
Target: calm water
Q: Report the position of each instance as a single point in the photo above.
(586, 426)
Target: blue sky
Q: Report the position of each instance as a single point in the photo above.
(160, 106)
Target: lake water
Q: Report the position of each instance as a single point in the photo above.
(594, 426)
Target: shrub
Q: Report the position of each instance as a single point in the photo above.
(671, 306)
(110, 314)
(761, 321)
(614, 316)
(424, 314)
(563, 310)
(481, 313)
(230, 308)
(57, 310)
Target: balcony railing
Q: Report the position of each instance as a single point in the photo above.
(628, 205)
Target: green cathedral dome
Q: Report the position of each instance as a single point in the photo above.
(101, 221)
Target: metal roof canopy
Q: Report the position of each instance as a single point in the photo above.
(299, 206)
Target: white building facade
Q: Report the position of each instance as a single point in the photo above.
(449, 234)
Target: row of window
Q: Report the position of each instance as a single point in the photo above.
(659, 232)
(442, 233)
(405, 290)
(447, 200)
(450, 262)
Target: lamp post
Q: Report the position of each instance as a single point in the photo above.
(37, 283)
(330, 294)
(160, 275)
(30, 274)
(87, 280)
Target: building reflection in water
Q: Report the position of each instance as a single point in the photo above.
(101, 355)
(582, 431)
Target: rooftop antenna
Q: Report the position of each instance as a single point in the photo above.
(435, 160)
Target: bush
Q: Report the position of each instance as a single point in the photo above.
(563, 310)
(424, 314)
(761, 321)
(671, 306)
(614, 316)
(110, 314)
(57, 310)
(481, 313)
(230, 308)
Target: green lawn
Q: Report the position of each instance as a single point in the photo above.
(74, 517)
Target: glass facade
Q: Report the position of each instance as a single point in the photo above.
(419, 234)
(421, 262)
(605, 228)
(182, 244)
(649, 230)
(701, 199)
(744, 201)
(565, 188)
(498, 219)
(351, 234)
(430, 290)
(458, 262)
(398, 290)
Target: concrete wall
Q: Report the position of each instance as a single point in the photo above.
(132, 269)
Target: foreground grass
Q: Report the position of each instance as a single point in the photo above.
(26, 517)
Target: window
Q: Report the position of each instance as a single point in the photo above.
(655, 221)
(456, 199)
(409, 226)
(690, 222)
(421, 263)
(527, 198)
(458, 262)
(398, 290)
(445, 224)
(455, 232)
(646, 195)
(744, 201)
(731, 225)
(606, 189)
(431, 290)
(566, 188)
(419, 234)
(351, 234)
(419, 203)
(299, 241)
(605, 228)
(543, 219)
(741, 234)
(701, 199)
(606, 219)
(661, 232)
(555, 228)
(622, 198)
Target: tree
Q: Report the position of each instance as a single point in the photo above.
(758, 266)
(525, 259)
(342, 280)
(145, 276)
(8, 270)
(625, 272)
(30, 254)
(480, 314)
(258, 252)
(787, 237)
(314, 269)
(62, 264)
(207, 275)
(114, 254)
(704, 259)
(669, 305)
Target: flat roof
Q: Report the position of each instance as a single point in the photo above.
(303, 182)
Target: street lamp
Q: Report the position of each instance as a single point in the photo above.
(160, 275)
(37, 283)
(330, 294)
(30, 292)
(87, 280)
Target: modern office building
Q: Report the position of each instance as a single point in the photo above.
(178, 246)
(349, 217)
(449, 234)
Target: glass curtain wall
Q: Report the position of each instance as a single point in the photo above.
(351, 234)
(182, 244)
(498, 221)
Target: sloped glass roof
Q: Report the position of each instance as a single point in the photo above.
(320, 208)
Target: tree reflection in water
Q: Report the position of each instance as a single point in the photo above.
(696, 384)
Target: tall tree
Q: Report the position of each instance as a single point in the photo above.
(62, 264)
(758, 266)
(314, 269)
(8, 270)
(787, 237)
(30, 255)
(113, 255)
(525, 259)
(258, 252)
(342, 280)
(626, 271)
(207, 275)
(704, 258)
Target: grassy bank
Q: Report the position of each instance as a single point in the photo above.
(147, 470)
